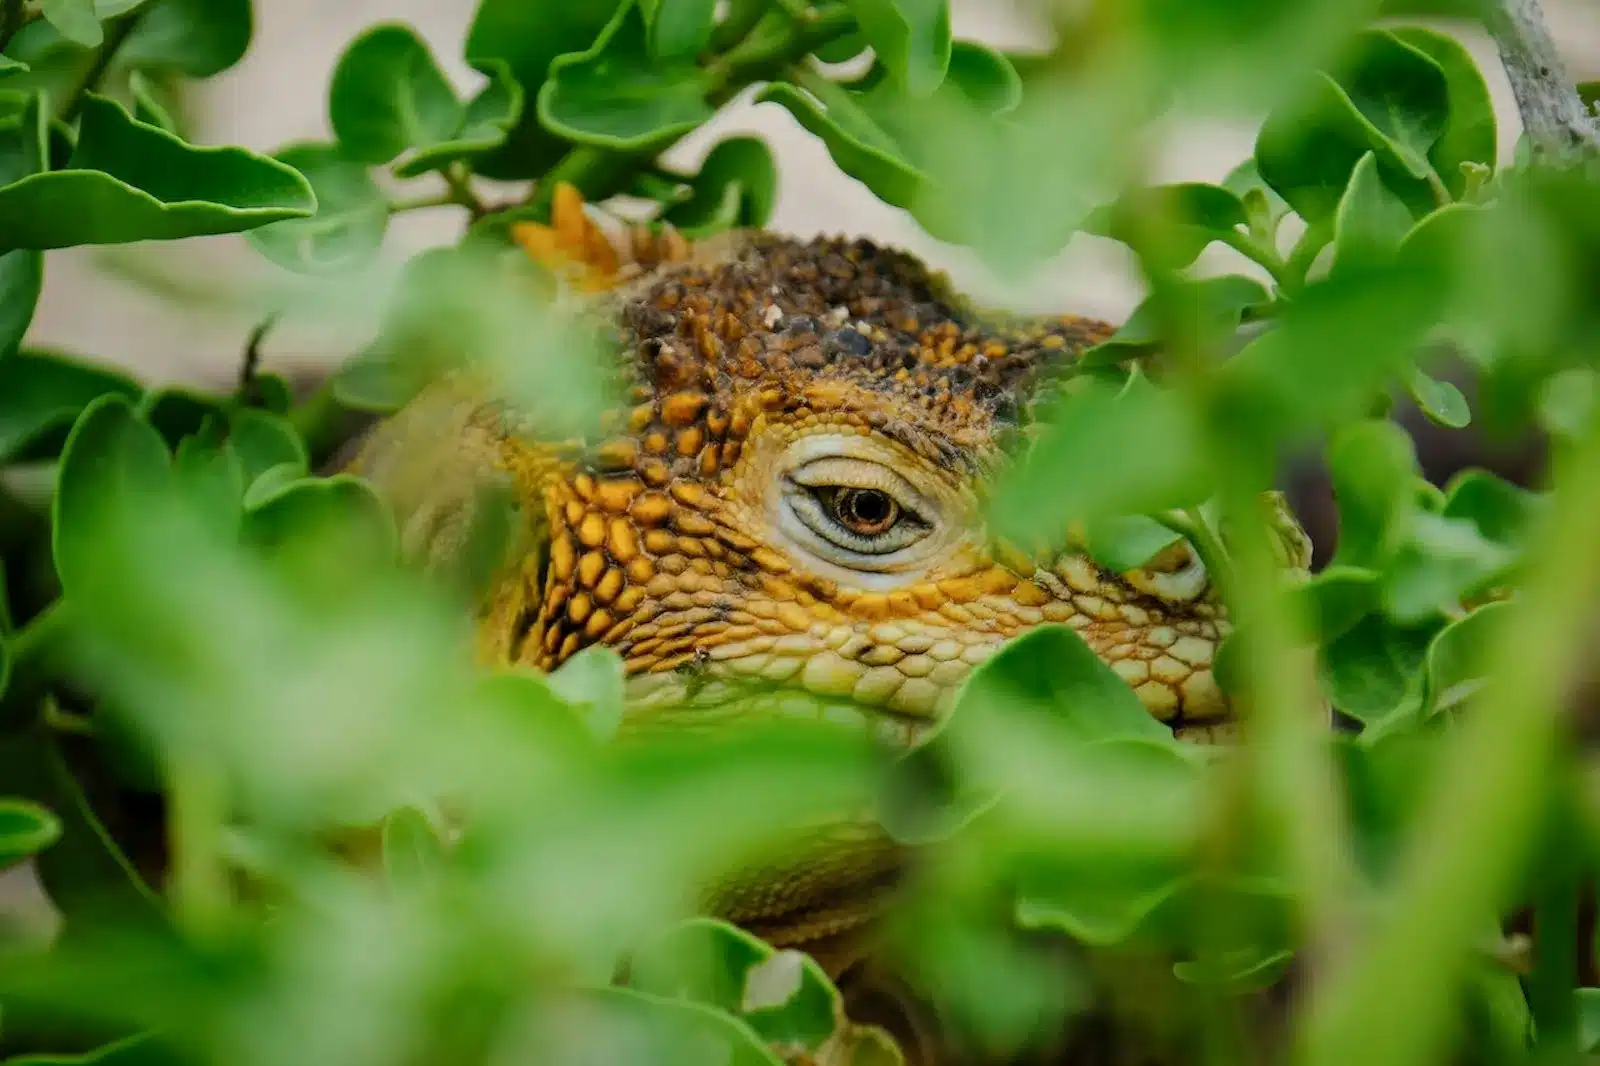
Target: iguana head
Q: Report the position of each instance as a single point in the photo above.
(792, 504)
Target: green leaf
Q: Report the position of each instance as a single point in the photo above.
(412, 850)
(911, 38)
(1441, 401)
(1050, 674)
(1209, 309)
(350, 222)
(207, 471)
(75, 20)
(487, 120)
(612, 1021)
(1371, 670)
(341, 510)
(25, 830)
(784, 996)
(591, 684)
(1369, 223)
(1263, 207)
(1469, 133)
(526, 38)
(389, 96)
(131, 182)
(1071, 474)
(147, 106)
(1121, 543)
(137, 1050)
(1249, 969)
(1566, 401)
(21, 279)
(111, 459)
(1337, 598)
(195, 38)
(858, 144)
(679, 29)
(177, 412)
(1374, 468)
(41, 396)
(1455, 666)
(736, 187)
(1170, 224)
(264, 440)
(1332, 351)
(613, 96)
(1586, 1002)
(1401, 96)
(1472, 545)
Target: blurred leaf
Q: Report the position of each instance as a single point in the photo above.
(1469, 132)
(614, 97)
(1263, 207)
(1567, 402)
(1337, 598)
(389, 96)
(348, 227)
(678, 29)
(41, 395)
(1402, 97)
(177, 412)
(263, 440)
(206, 469)
(784, 996)
(624, 1025)
(736, 187)
(1246, 970)
(412, 850)
(1373, 465)
(591, 683)
(1122, 543)
(527, 37)
(75, 19)
(111, 458)
(85, 873)
(1049, 674)
(195, 38)
(24, 151)
(1455, 661)
(1371, 669)
(136, 1050)
(1170, 224)
(25, 830)
(1096, 906)
(132, 182)
(343, 511)
(270, 482)
(1369, 223)
(1473, 544)
(1587, 1003)
(911, 38)
(21, 279)
(1440, 401)
(1073, 472)
(1208, 310)
(486, 121)
(1331, 351)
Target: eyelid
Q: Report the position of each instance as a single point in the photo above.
(843, 473)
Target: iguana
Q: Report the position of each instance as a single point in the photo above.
(792, 499)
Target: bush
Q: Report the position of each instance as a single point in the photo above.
(287, 819)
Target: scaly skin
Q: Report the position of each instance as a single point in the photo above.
(782, 387)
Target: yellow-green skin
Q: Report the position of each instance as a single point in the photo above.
(669, 541)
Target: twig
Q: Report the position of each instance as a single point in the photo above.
(250, 366)
(1553, 116)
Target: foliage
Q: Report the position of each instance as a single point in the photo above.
(286, 819)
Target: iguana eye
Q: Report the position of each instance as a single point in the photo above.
(855, 508)
(865, 512)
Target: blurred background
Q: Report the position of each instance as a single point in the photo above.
(101, 302)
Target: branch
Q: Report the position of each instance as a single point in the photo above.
(1556, 122)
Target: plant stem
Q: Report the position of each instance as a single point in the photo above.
(420, 203)
(1260, 252)
(459, 183)
(1469, 840)
(12, 19)
(116, 35)
(1552, 114)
